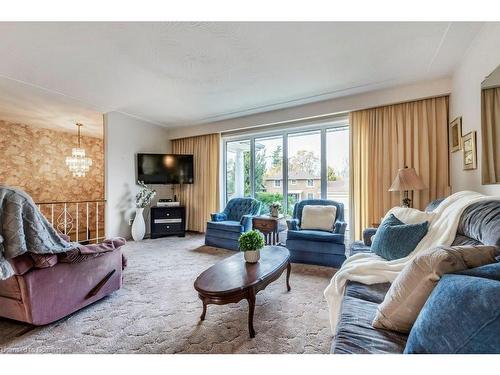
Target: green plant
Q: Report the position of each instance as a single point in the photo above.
(145, 195)
(252, 240)
(276, 204)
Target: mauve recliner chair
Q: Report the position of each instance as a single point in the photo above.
(46, 288)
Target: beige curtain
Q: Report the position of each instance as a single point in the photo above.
(384, 139)
(490, 125)
(202, 197)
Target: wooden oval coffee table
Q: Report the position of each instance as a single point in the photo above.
(232, 279)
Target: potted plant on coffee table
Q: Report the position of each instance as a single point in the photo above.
(250, 243)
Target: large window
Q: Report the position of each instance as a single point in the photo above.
(290, 165)
(238, 169)
(269, 170)
(337, 156)
(304, 166)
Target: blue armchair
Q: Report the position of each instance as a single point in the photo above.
(225, 228)
(317, 246)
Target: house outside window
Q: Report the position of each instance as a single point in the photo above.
(293, 182)
(277, 183)
(310, 195)
(310, 182)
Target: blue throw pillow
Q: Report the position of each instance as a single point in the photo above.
(461, 316)
(395, 239)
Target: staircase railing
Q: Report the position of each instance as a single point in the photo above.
(82, 221)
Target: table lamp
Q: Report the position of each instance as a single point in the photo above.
(407, 180)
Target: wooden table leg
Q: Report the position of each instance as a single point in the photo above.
(288, 270)
(202, 317)
(251, 309)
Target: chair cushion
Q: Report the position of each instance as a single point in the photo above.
(318, 217)
(315, 235)
(461, 316)
(395, 240)
(227, 225)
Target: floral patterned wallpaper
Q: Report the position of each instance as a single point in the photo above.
(33, 159)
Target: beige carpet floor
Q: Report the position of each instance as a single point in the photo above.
(157, 311)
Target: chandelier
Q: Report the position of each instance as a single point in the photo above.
(78, 163)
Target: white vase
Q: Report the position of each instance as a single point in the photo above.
(138, 226)
(252, 256)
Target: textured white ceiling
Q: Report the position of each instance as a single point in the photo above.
(24, 104)
(176, 74)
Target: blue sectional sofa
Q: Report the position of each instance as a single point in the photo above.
(462, 314)
(225, 228)
(316, 246)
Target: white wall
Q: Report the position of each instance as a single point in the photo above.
(348, 103)
(125, 137)
(482, 57)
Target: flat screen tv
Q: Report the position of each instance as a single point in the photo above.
(165, 169)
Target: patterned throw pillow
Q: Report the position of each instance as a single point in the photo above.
(395, 239)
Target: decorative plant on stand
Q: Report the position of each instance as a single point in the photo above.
(250, 243)
(142, 200)
(275, 208)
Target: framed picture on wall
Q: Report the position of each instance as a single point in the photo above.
(469, 150)
(455, 134)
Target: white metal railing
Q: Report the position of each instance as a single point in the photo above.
(67, 218)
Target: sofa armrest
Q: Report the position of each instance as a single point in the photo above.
(246, 221)
(368, 233)
(340, 227)
(293, 224)
(218, 216)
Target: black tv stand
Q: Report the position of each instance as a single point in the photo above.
(168, 221)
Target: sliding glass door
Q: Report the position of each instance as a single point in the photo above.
(238, 169)
(268, 170)
(337, 156)
(289, 166)
(304, 167)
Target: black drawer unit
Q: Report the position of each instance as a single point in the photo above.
(168, 221)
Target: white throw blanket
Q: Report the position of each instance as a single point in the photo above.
(369, 268)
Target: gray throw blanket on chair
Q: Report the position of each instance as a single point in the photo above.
(23, 229)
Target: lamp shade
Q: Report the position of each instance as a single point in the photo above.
(407, 179)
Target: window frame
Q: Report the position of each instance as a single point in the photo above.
(340, 121)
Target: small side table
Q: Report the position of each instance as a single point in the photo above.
(270, 226)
